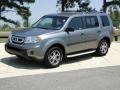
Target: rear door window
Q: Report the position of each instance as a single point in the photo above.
(91, 22)
(105, 21)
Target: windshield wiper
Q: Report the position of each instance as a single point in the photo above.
(45, 28)
(40, 27)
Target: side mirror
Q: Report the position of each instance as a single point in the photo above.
(69, 29)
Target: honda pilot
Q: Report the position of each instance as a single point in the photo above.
(67, 34)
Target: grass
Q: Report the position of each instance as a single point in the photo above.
(5, 30)
(3, 40)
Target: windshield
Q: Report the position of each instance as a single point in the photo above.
(51, 22)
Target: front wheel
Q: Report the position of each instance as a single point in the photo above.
(53, 57)
(102, 48)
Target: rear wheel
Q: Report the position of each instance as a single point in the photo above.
(53, 57)
(102, 48)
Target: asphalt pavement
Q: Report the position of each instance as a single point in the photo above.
(107, 78)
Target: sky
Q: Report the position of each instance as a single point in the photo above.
(43, 7)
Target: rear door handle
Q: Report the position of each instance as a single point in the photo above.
(82, 34)
(98, 31)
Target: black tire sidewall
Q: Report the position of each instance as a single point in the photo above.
(98, 51)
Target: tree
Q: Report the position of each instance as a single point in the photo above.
(110, 3)
(18, 24)
(113, 7)
(116, 20)
(65, 4)
(104, 5)
(26, 23)
(5, 27)
(82, 4)
(115, 16)
(14, 6)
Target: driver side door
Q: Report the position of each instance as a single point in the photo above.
(75, 40)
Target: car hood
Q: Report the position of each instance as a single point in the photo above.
(31, 32)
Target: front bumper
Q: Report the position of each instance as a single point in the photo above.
(28, 53)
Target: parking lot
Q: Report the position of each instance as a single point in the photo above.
(11, 66)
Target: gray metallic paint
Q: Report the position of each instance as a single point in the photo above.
(72, 41)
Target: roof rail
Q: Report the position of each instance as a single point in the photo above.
(86, 12)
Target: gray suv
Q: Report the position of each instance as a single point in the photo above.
(67, 34)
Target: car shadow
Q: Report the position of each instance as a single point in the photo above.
(29, 64)
(78, 58)
(22, 63)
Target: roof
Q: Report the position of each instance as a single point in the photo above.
(68, 14)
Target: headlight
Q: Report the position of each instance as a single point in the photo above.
(32, 39)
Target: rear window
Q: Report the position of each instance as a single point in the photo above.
(105, 21)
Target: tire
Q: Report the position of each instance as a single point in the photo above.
(53, 57)
(103, 48)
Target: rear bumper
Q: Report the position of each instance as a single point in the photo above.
(26, 53)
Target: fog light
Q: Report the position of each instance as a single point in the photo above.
(31, 52)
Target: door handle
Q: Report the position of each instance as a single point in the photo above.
(98, 31)
(81, 34)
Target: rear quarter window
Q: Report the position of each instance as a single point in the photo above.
(105, 21)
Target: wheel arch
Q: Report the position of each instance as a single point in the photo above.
(106, 38)
(57, 45)
(50, 45)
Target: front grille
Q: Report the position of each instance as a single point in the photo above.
(17, 39)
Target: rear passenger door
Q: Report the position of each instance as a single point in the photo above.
(91, 31)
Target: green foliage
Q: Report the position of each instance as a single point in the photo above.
(106, 4)
(26, 23)
(3, 40)
(84, 5)
(115, 15)
(115, 19)
(5, 27)
(18, 24)
(66, 4)
(14, 6)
